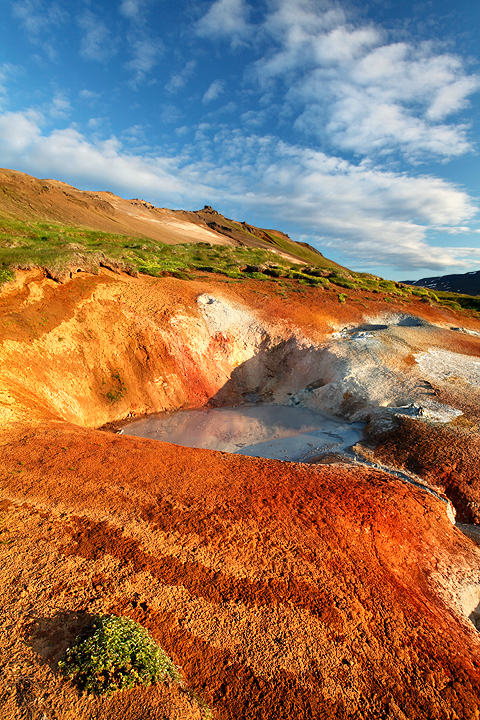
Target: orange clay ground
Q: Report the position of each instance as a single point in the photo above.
(282, 590)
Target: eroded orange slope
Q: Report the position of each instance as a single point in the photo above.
(282, 590)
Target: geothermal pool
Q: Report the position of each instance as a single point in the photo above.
(270, 431)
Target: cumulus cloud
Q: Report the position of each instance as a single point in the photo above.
(101, 163)
(18, 131)
(214, 91)
(226, 18)
(361, 210)
(348, 83)
(371, 215)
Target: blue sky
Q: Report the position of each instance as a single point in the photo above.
(352, 126)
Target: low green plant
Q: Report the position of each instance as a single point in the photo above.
(348, 284)
(6, 275)
(116, 653)
(118, 388)
(419, 291)
(342, 298)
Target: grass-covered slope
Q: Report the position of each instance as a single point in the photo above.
(32, 236)
(27, 199)
(62, 250)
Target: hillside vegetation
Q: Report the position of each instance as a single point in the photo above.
(62, 250)
(62, 230)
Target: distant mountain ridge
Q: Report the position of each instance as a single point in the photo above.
(463, 283)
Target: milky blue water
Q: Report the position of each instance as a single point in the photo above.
(270, 431)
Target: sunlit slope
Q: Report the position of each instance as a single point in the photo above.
(28, 199)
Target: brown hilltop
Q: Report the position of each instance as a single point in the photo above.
(27, 198)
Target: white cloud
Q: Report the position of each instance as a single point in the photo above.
(97, 123)
(40, 20)
(214, 91)
(91, 164)
(170, 114)
(7, 71)
(38, 17)
(18, 132)
(254, 118)
(96, 43)
(347, 83)
(370, 215)
(60, 107)
(133, 9)
(88, 95)
(145, 56)
(179, 80)
(226, 18)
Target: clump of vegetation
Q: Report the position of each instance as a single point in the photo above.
(116, 653)
(342, 298)
(6, 275)
(118, 388)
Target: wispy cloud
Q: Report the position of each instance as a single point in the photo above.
(146, 53)
(170, 114)
(60, 107)
(134, 10)
(214, 91)
(358, 209)
(41, 20)
(7, 71)
(38, 17)
(179, 80)
(97, 42)
(88, 95)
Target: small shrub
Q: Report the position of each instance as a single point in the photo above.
(342, 298)
(419, 292)
(348, 284)
(6, 275)
(114, 654)
(118, 388)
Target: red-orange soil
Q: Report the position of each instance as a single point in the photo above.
(282, 590)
